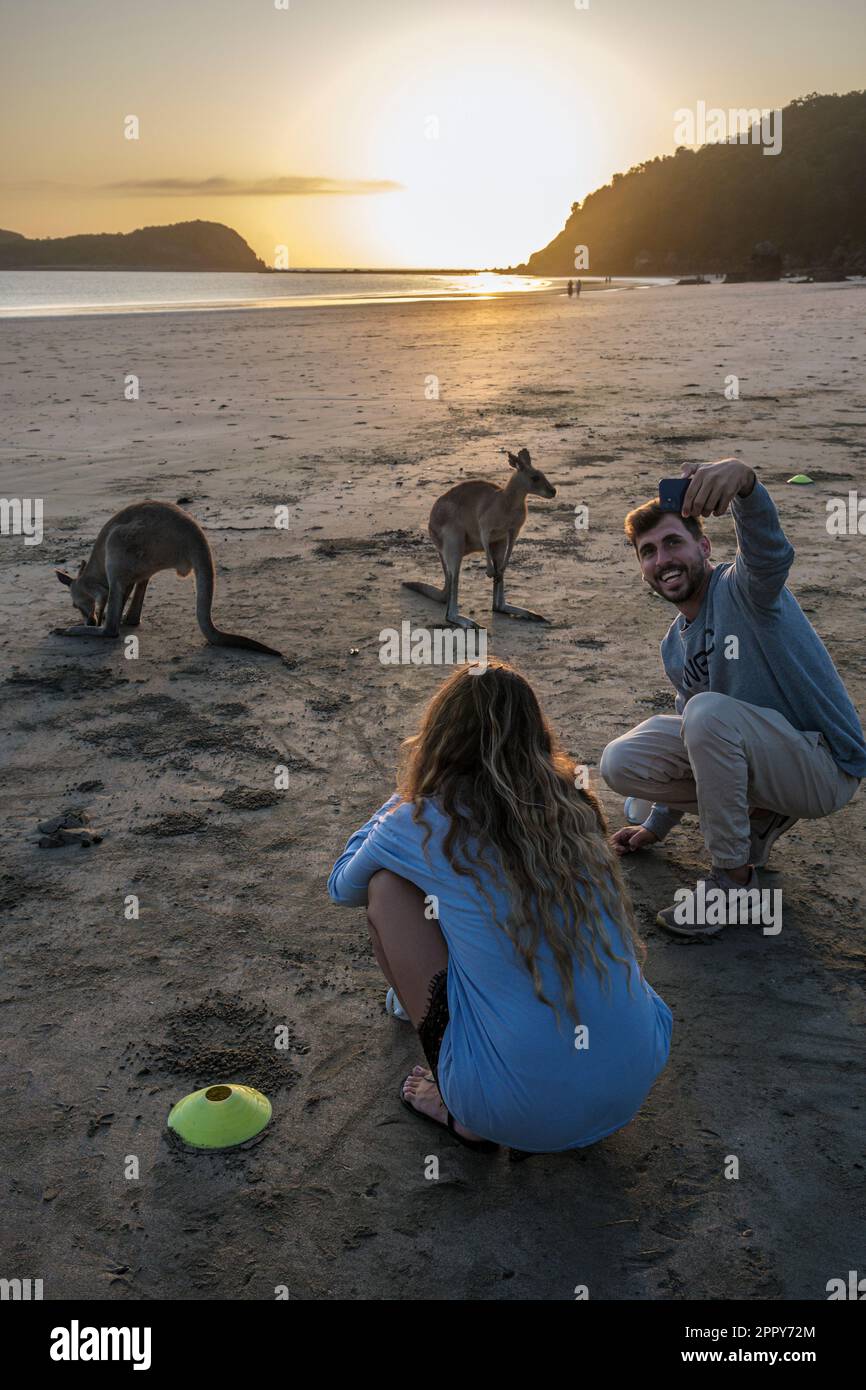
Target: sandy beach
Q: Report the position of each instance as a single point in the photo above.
(108, 1021)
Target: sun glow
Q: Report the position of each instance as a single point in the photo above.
(493, 119)
(492, 136)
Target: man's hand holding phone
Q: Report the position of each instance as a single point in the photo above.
(713, 486)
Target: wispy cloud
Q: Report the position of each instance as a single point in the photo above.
(288, 186)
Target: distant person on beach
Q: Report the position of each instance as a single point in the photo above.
(764, 733)
(570, 288)
(499, 915)
(577, 288)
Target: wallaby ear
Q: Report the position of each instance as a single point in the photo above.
(64, 577)
(514, 460)
(525, 460)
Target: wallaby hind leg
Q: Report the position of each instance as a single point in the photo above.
(132, 617)
(451, 563)
(499, 553)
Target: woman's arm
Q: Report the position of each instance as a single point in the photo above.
(357, 864)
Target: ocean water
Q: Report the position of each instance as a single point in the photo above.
(46, 293)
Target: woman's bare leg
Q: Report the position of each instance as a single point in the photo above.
(410, 950)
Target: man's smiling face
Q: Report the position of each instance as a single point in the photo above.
(673, 561)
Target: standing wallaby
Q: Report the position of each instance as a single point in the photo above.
(481, 516)
(138, 542)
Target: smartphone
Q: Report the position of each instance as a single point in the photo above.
(672, 492)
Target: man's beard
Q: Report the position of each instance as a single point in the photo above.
(690, 580)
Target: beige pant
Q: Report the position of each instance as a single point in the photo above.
(721, 758)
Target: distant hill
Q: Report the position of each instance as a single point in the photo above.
(707, 209)
(183, 246)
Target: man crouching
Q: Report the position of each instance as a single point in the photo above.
(764, 733)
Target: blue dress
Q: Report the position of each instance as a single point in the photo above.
(507, 1069)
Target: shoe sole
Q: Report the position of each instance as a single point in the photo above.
(688, 933)
(762, 844)
(390, 1001)
(628, 810)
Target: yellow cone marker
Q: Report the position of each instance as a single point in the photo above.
(220, 1117)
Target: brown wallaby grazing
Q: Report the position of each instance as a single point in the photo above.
(481, 516)
(138, 542)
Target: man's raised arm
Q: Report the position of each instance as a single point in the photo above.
(764, 553)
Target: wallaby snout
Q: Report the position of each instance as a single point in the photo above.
(86, 601)
(536, 483)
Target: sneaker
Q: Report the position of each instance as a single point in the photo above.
(395, 1008)
(765, 831)
(635, 810)
(687, 917)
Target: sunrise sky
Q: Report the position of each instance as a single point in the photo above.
(318, 119)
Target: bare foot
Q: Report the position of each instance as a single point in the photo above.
(422, 1093)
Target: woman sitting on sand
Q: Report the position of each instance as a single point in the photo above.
(498, 913)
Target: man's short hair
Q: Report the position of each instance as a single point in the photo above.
(647, 516)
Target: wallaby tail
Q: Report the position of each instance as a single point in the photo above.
(428, 590)
(205, 582)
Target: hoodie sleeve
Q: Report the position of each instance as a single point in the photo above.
(347, 884)
(662, 819)
(764, 553)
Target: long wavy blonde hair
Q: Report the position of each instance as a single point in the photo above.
(488, 755)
